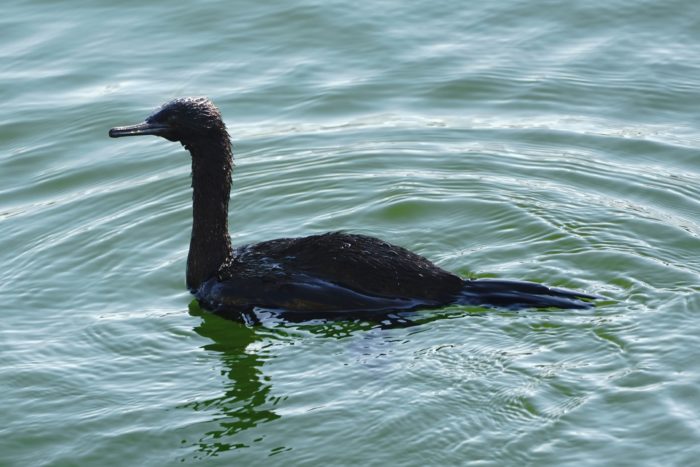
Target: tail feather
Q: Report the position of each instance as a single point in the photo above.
(519, 294)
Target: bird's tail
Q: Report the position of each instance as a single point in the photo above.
(519, 294)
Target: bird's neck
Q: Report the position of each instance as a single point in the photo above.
(210, 244)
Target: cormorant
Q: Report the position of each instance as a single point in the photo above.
(319, 275)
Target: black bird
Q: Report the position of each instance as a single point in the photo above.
(320, 275)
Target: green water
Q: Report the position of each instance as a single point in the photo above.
(549, 141)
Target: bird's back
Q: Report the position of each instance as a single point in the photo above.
(358, 263)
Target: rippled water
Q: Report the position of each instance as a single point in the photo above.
(548, 141)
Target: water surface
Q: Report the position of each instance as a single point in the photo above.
(548, 141)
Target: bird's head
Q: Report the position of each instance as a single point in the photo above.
(188, 120)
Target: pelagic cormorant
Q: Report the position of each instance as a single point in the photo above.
(317, 275)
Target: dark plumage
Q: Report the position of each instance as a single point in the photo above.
(330, 273)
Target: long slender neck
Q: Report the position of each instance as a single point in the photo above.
(210, 244)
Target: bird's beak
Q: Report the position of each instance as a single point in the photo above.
(145, 128)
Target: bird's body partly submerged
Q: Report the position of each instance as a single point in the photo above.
(320, 275)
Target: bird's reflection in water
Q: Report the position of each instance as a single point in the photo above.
(247, 400)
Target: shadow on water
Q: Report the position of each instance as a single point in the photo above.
(247, 400)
